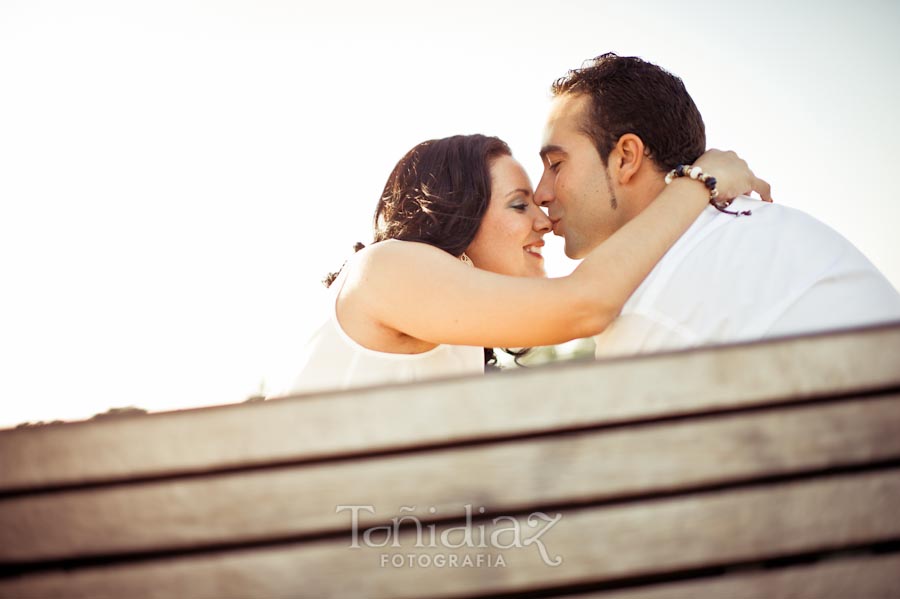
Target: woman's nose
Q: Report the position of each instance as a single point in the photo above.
(542, 222)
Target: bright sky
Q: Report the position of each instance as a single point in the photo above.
(177, 176)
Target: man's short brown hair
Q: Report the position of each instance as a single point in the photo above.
(631, 95)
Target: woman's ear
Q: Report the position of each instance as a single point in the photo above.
(627, 156)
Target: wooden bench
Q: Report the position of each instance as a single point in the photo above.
(768, 469)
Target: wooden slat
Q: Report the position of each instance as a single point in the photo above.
(857, 577)
(571, 395)
(596, 545)
(557, 470)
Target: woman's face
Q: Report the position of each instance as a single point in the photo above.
(510, 237)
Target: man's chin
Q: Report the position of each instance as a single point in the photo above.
(574, 252)
(578, 249)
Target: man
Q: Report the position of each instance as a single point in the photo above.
(616, 128)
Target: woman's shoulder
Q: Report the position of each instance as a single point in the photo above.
(395, 252)
(399, 247)
(380, 274)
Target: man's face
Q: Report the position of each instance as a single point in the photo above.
(575, 186)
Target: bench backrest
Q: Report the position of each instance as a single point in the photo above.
(761, 469)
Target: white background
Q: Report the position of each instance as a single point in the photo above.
(177, 176)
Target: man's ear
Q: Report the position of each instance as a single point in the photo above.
(627, 157)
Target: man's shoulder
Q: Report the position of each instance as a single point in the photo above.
(762, 255)
(770, 226)
(767, 216)
(736, 278)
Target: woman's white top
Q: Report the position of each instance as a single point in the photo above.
(333, 360)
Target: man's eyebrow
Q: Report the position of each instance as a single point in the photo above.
(550, 148)
(522, 190)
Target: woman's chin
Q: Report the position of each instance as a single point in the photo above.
(535, 271)
(531, 268)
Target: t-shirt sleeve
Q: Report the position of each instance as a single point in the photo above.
(637, 333)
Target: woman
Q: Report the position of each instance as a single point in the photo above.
(456, 266)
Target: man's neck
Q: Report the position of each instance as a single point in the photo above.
(643, 189)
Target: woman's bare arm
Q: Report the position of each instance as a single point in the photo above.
(423, 292)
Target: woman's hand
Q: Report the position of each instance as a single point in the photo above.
(733, 176)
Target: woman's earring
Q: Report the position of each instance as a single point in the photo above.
(466, 259)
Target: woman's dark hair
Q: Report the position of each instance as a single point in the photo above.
(437, 194)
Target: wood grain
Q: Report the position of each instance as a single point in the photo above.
(564, 469)
(403, 417)
(596, 545)
(872, 576)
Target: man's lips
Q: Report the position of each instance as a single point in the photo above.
(557, 227)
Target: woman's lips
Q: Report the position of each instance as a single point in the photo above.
(534, 250)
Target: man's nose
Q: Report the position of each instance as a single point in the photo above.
(543, 194)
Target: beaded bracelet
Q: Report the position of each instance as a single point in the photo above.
(695, 172)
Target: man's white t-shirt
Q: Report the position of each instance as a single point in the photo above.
(776, 272)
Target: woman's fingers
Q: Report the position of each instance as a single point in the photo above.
(733, 175)
(763, 188)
